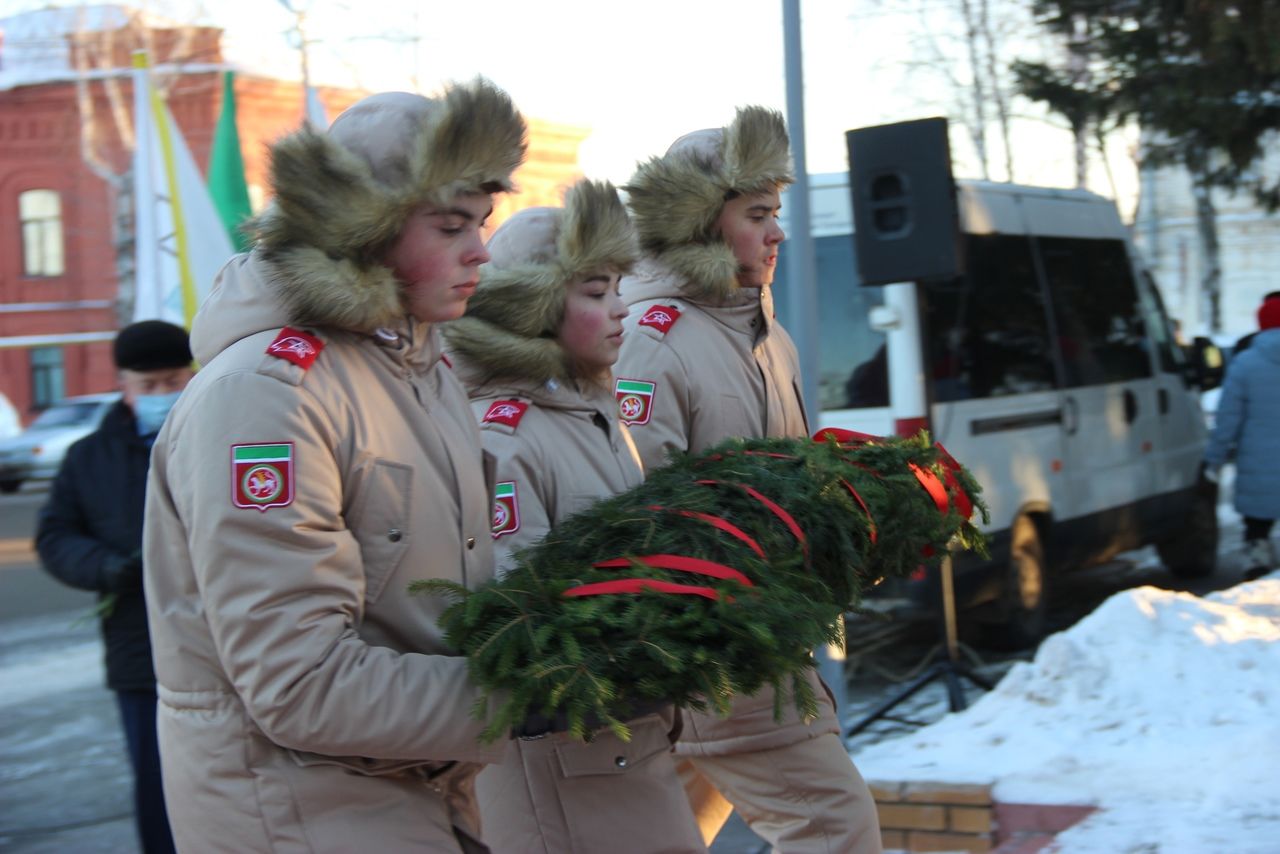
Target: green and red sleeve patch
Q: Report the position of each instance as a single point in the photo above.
(506, 509)
(262, 475)
(635, 400)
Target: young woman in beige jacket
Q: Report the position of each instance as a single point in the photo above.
(324, 458)
(703, 360)
(535, 351)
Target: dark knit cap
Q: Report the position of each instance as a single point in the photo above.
(151, 345)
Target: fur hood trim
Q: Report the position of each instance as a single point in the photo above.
(512, 320)
(342, 197)
(675, 199)
(488, 353)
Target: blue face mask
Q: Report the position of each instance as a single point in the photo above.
(149, 410)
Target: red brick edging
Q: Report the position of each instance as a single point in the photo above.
(921, 817)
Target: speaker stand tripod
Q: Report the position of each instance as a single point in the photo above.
(950, 669)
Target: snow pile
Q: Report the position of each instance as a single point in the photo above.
(1160, 707)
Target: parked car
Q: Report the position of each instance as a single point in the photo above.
(37, 452)
(1049, 368)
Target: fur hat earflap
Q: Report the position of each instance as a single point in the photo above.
(676, 199)
(346, 194)
(534, 256)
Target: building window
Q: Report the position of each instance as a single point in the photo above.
(47, 377)
(40, 212)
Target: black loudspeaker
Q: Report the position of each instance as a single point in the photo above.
(906, 226)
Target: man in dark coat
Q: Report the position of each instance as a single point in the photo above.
(89, 536)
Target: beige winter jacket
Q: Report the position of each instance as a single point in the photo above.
(565, 451)
(717, 369)
(307, 701)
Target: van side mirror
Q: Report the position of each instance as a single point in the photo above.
(1207, 364)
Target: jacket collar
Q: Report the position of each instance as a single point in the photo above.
(746, 310)
(409, 342)
(580, 396)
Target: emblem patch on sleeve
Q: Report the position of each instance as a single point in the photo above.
(635, 400)
(294, 345)
(661, 317)
(262, 475)
(507, 412)
(506, 509)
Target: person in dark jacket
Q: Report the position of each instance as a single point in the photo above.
(89, 535)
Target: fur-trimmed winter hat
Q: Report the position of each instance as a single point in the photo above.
(342, 197)
(676, 199)
(511, 324)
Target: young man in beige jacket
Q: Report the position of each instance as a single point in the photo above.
(703, 359)
(535, 351)
(324, 458)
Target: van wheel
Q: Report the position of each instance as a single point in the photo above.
(1192, 550)
(1023, 606)
(8, 487)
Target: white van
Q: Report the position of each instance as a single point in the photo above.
(1049, 369)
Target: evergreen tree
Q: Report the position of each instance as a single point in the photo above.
(1202, 79)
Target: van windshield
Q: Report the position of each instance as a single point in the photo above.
(851, 356)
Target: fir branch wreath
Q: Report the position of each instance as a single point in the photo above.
(715, 577)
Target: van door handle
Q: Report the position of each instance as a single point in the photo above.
(1130, 406)
(1070, 415)
(1163, 397)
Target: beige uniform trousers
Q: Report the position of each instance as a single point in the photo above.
(801, 798)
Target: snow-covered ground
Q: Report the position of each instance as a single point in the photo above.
(1161, 708)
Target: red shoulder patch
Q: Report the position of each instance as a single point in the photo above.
(294, 345)
(507, 412)
(661, 317)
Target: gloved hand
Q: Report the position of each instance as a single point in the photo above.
(124, 574)
(537, 725)
(1209, 473)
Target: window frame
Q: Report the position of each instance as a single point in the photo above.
(48, 376)
(38, 234)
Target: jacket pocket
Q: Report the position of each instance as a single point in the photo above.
(606, 754)
(595, 778)
(380, 522)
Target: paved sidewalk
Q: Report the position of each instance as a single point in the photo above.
(65, 785)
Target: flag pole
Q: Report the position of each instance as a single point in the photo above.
(146, 270)
(157, 110)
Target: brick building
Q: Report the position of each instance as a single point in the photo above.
(65, 143)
